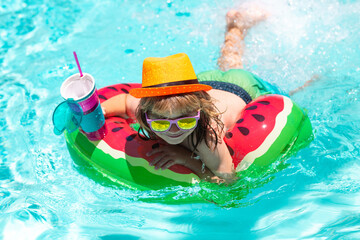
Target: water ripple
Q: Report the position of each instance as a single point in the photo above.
(44, 195)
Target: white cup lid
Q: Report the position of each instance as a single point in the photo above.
(77, 87)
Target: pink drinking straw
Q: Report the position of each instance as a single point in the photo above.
(78, 64)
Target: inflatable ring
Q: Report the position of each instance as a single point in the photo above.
(270, 126)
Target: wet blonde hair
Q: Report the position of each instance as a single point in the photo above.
(209, 124)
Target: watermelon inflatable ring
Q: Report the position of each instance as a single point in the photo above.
(270, 126)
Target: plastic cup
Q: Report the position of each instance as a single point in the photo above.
(83, 91)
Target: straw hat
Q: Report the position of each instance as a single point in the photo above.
(168, 75)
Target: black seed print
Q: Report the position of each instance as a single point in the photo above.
(156, 145)
(228, 135)
(264, 102)
(102, 97)
(231, 151)
(251, 108)
(244, 130)
(258, 117)
(240, 120)
(116, 129)
(112, 88)
(131, 137)
(126, 84)
(124, 90)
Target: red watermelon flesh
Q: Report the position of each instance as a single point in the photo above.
(256, 123)
(122, 137)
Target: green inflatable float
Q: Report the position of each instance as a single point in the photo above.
(271, 126)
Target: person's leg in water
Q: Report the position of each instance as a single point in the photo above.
(313, 79)
(238, 22)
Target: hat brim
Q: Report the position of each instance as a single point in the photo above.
(170, 90)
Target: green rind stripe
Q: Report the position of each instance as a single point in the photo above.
(128, 171)
(285, 143)
(140, 162)
(283, 140)
(75, 149)
(139, 174)
(280, 123)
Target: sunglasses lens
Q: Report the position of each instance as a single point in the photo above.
(187, 123)
(160, 125)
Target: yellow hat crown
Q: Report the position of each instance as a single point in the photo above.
(164, 70)
(168, 75)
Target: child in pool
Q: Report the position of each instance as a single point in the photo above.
(170, 91)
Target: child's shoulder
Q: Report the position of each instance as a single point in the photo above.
(229, 105)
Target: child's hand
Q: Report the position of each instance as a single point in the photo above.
(226, 178)
(169, 155)
(103, 111)
(217, 180)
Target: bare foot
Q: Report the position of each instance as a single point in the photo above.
(245, 17)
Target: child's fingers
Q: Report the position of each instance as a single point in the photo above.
(168, 164)
(157, 159)
(162, 161)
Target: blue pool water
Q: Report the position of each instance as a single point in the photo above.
(44, 196)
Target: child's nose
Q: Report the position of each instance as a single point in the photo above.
(174, 128)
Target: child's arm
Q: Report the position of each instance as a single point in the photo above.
(166, 156)
(219, 160)
(123, 105)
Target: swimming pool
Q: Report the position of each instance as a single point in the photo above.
(44, 195)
